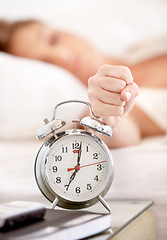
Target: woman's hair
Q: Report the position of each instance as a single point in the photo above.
(6, 31)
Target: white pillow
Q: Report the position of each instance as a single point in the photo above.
(29, 91)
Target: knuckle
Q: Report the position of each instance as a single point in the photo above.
(91, 94)
(126, 69)
(91, 81)
(94, 82)
(103, 68)
(126, 72)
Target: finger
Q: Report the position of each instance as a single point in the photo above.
(103, 110)
(106, 97)
(130, 92)
(120, 72)
(107, 83)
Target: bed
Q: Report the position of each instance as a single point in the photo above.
(140, 171)
(30, 90)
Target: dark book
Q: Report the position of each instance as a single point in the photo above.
(61, 225)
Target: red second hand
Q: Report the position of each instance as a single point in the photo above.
(70, 169)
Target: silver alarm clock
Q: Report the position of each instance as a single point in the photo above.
(74, 168)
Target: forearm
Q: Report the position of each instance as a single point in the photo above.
(125, 134)
(125, 131)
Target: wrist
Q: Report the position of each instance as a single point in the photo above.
(112, 121)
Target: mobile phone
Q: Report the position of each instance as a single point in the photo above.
(18, 213)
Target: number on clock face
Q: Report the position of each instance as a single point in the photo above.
(77, 168)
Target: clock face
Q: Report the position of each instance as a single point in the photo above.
(78, 168)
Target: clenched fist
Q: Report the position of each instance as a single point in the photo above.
(111, 91)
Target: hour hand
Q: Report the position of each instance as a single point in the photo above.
(71, 179)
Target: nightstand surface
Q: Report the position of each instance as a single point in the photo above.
(126, 216)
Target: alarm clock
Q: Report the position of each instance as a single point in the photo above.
(74, 168)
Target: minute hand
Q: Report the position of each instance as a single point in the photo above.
(70, 169)
(79, 154)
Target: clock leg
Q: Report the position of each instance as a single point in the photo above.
(54, 203)
(104, 203)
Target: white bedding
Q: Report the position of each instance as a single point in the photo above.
(146, 164)
(30, 90)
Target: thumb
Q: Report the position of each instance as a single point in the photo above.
(130, 92)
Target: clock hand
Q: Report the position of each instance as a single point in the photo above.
(79, 154)
(71, 179)
(77, 167)
(70, 169)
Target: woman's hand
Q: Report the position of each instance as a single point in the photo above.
(112, 92)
